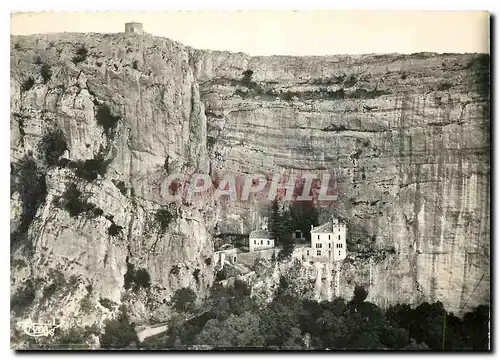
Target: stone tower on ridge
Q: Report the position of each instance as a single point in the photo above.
(133, 28)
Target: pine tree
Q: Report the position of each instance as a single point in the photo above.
(275, 221)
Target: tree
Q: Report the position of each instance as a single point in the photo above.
(275, 222)
(278, 319)
(476, 325)
(360, 295)
(184, 300)
(236, 331)
(119, 333)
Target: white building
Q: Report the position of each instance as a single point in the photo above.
(328, 243)
(260, 240)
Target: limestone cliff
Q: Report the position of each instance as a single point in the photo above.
(407, 136)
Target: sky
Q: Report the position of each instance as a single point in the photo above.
(321, 32)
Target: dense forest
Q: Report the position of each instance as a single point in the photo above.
(230, 318)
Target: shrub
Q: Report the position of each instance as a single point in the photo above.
(106, 120)
(163, 217)
(247, 76)
(32, 190)
(72, 202)
(208, 261)
(23, 298)
(114, 229)
(90, 169)
(135, 279)
(52, 146)
(27, 84)
(196, 275)
(108, 304)
(118, 334)
(80, 55)
(45, 72)
(175, 270)
(360, 295)
(184, 300)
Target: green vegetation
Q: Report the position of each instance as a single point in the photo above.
(23, 298)
(45, 72)
(119, 333)
(90, 169)
(136, 279)
(106, 120)
(196, 275)
(30, 183)
(27, 84)
(72, 201)
(230, 317)
(114, 229)
(163, 217)
(175, 270)
(52, 146)
(80, 55)
(183, 300)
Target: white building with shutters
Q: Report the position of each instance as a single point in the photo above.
(328, 243)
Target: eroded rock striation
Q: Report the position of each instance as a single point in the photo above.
(99, 120)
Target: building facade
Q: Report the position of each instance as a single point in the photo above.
(328, 243)
(260, 240)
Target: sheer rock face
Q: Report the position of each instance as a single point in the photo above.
(405, 136)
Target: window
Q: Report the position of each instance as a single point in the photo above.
(329, 245)
(307, 253)
(255, 242)
(340, 246)
(262, 242)
(339, 253)
(318, 237)
(319, 246)
(329, 253)
(268, 242)
(318, 252)
(329, 237)
(339, 237)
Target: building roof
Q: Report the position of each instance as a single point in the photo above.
(301, 246)
(325, 228)
(260, 234)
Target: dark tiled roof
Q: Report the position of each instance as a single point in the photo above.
(328, 227)
(260, 234)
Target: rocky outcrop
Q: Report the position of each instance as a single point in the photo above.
(406, 137)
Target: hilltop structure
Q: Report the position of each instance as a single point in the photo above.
(133, 28)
